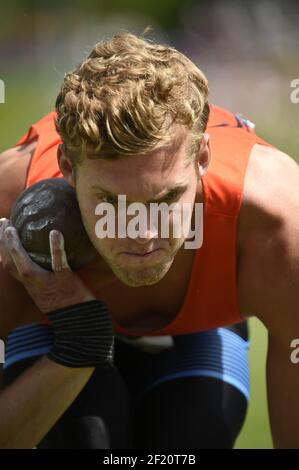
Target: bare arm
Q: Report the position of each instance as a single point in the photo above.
(272, 266)
(283, 388)
(281, 316)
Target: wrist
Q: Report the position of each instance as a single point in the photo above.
(83, 335)
(69, 302)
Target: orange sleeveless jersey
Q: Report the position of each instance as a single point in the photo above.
(211, 298)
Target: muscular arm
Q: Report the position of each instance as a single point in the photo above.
(272, 275)
(34, 402)
(281, 316)
(283, 388)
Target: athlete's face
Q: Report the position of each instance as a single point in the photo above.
(163, 175)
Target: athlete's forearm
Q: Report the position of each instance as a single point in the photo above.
(283, 388)
(32, 404)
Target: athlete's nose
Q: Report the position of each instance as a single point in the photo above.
(144, 231)
(144, 236)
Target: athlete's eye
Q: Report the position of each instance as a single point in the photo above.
(107, 198)
(171, 195)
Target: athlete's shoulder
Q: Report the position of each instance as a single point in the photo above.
(268, 230)
(270, 188)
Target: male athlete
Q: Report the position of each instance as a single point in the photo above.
(134, 119)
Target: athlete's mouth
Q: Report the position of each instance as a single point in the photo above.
(141, 254)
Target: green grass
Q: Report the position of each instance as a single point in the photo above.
(256, 432)
(26, 102)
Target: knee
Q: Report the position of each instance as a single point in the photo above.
(84, 432)
(194, 413)
(91, 432)
(219, 427)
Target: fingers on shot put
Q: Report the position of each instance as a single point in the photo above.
(18, 254)
(3, 225)
(4, 255)
(5, 250)
(58, 255)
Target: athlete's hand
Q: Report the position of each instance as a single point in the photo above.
(49, 290)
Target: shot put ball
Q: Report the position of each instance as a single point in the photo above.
(51, 204)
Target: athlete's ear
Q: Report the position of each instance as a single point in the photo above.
(65, 165)
(204, 154)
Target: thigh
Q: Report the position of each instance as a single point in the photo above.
(192, 395)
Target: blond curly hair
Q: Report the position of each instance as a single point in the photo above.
(124, 98)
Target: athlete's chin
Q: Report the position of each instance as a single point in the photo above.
(140, 282)
(143, 277)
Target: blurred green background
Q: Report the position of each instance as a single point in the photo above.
(248, 52)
